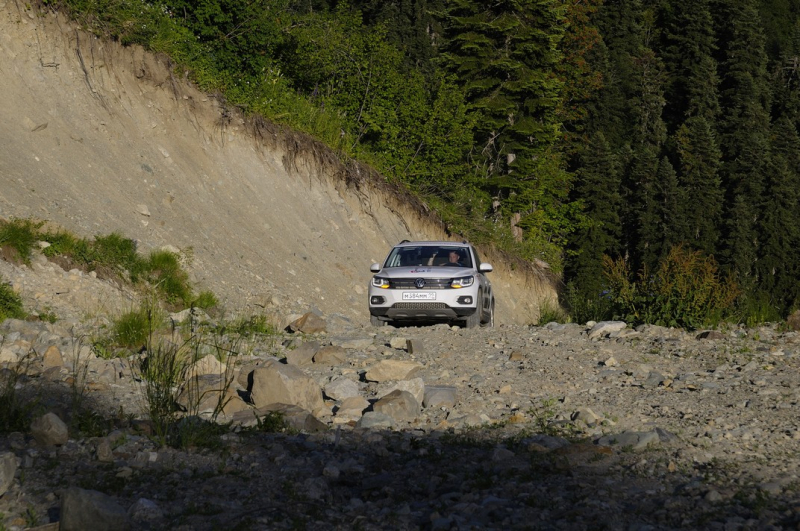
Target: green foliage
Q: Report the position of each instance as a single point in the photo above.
(163, 270)
(583, 307)
(10, 303)
(272, 422)
(167, 369)
(205, 300)
(550, 312)
(133, 328)
(253, 325)
(756, 309)
(162, 369)
(20, 235)
(685, 291)
(15, 413)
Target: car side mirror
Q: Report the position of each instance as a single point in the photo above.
(375, 268)
(485, 268)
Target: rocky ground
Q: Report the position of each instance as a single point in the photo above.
(516, 427)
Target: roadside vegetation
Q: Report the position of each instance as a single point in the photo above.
(161, 352)
(538, 129)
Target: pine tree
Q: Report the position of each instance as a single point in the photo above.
(642, 220)
(597, 184)
(580, 71)
(670, 201)
(505, 53)
(687, 48)
(620, 25)
(778, 266)
(744, 131)
(699, 181)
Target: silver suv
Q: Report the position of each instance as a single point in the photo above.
(431, 281)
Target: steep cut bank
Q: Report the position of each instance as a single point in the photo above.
(99, 138)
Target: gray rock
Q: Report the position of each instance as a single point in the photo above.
(375, 419)
(399, 405)
(82, 510)
(309, 323)
(145, 511)
(303, 355)
(604, 328)
(415, 386)
(330, 355)
(49, 430)
(392, 370)
(354, 343)
(440, 396)
(341, 388)
(635, 440)
(415, 347)
(8, 467)
(284, 384)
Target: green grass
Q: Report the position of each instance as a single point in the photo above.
(110, 256)
(10, 303)
(15, 413)
(21, 236)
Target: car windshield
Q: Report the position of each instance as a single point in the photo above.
(429, 255)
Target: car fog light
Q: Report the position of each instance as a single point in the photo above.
(465, 300)
(376, 300)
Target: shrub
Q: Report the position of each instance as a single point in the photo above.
(206, 300)
(10, 303)
(133, 328)
(15, 413)
(583, 309)
(685, 291)
(20, 235)
(163, 270)
(115, 251)
(549, 312)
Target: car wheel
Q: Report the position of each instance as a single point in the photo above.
(489, 322)
(473, 320)
(374, 321)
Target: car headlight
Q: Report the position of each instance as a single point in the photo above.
(379, 282)
(463, 282)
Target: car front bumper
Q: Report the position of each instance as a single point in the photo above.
(448, 304)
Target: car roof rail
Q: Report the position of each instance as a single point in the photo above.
(405, 241)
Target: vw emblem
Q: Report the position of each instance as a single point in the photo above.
(419, 283)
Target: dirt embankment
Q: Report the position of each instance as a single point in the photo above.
(98, 138)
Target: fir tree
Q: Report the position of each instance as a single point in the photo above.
(687, 47)
(699, 180)
(778, 266)
(670, 201)
(505, 53)
(744, 131)
(597, 184)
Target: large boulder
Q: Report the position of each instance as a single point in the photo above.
(49, 430)
(89, 509)
(275, 382)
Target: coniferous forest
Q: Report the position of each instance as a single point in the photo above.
(645, 150)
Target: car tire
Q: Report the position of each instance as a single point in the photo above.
(374, 321)
(489, 322)
(473, 320)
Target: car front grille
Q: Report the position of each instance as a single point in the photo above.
(430, 283)
(420, 306)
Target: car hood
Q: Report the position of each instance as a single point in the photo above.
(426, 272)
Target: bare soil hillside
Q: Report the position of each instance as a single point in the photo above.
(99, 138)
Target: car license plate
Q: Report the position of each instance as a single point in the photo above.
(419, 296)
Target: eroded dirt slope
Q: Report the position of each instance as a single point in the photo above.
(100, 138)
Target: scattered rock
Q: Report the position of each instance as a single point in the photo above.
(89, 509)
(49, 430)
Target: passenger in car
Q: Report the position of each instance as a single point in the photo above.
(455, 259)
